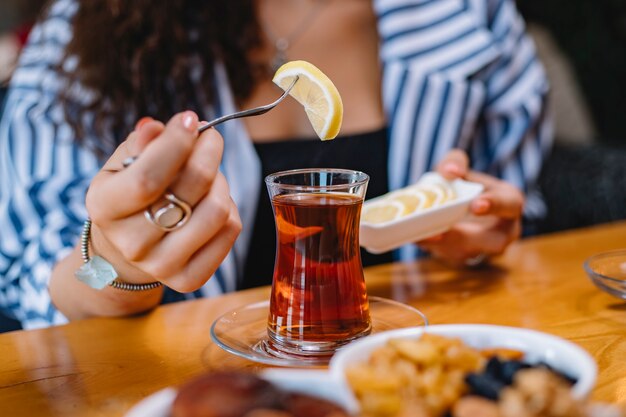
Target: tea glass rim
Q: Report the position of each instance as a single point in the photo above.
(270, 180)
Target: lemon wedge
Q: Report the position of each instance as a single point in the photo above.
(383, 212)
(317, 94)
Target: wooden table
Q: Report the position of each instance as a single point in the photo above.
(101, 367)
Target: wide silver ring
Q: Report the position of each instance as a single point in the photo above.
(171, 216)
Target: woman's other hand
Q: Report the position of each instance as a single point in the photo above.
(174, 159)
(494, 221)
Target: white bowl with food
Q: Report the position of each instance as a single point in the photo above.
(537, 348)
(427, 208)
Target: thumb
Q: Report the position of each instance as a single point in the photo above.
(454, 165)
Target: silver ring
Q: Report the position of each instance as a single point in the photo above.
(171, 216)
(477, 260)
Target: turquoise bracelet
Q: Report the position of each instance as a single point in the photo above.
(98, 273)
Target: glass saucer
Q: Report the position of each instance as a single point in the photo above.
(243, 331)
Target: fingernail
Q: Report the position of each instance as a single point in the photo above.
(202, 124)
(452, 168)
(190, 120)
(481, 206)
(142, 122)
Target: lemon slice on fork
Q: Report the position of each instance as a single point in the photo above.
(317, 94)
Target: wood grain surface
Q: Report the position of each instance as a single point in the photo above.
(101, 367)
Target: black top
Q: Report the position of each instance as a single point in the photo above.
(365, 152)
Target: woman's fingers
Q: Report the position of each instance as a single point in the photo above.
(204, 262)
(207, 219)
(500, 198)
(504, 204)
(190, 186)
(201, 169)
(174, 159)
(454, 165)
(146, 130)
(496, 222)
(144, 182)
(490, 236)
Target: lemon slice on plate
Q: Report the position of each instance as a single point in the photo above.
(317, 94)
(412, 200)
(435, 192)
(437, 184)
(443, 191)
(383, 211)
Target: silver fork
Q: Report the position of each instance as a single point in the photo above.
(250, 112)
(244, 113)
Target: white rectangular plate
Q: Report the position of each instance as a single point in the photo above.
(379, 238)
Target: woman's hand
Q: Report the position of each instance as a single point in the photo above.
(172, 159)
(495, 219)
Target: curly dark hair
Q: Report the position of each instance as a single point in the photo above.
(142, 58)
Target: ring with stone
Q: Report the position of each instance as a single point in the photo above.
(171, 216)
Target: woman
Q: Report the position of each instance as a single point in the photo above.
(454, 74)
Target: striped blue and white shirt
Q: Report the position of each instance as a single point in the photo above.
(456, 73)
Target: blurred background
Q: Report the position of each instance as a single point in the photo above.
(582, 44)
(591, 35)
(16, 19)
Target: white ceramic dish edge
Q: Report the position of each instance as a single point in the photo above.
(158, 404)
(317, 383)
